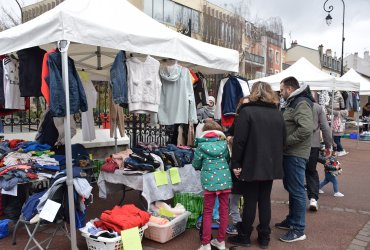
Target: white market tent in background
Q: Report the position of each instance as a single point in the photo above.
(352, 75)
(94, 25)
(306, 72)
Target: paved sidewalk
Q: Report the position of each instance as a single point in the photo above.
(340, 223)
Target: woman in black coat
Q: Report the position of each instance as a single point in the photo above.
(257, 159)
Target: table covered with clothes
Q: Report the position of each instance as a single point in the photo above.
(112, 182)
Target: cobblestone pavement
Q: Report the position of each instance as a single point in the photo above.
(340, 223)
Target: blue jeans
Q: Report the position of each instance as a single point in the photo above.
(294, 174)
(332, 179)
(339, 146)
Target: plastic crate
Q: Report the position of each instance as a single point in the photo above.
(164, 233)
(102, 243)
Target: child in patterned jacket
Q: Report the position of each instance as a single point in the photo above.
(212, 157)
(332, 170)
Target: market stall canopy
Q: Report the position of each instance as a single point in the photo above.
(306, 72)
(114, 25)
(352, 75)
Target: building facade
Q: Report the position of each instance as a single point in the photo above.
(361, 65)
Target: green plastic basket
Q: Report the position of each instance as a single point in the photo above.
(192, 203)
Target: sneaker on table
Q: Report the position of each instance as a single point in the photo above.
(218, 245)
(231, 229)
(338, 194)
(205, 247)
(293, 235)
(283, 225)
(313, 205)
(321, 191)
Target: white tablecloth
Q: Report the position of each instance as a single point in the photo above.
(113, 182)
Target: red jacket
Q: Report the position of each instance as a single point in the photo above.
(121, 218)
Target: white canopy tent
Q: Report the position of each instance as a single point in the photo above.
(116, 25)
(352, 75)
(306, 72)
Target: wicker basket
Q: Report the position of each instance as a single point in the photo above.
(102, 243)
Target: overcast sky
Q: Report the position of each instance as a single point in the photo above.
(305, 22)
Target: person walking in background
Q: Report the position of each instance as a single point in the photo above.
(366, 116)
(257, 160)
(211, 157)
(298, 117)
(312, 177)
(338, 128)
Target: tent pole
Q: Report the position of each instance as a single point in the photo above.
(63, 47)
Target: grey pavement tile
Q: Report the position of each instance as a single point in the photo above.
(364, 233)
(355, 247)
(363, 238)
(359, 242)
(350, 210)
(338, 209)
(364, 212)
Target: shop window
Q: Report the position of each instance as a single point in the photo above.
(277, 57)
(148, 7)
(158, 10)
(195, 22)
(169, 16)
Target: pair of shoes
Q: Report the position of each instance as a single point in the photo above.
(240, 240)
(293, 235)
(342, 153)
(338, 194)
(321, 191)
(218, 245)
(283, 225)
(313, 205)
(231, 229)
(205, 247)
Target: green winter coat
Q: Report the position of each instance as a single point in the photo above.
(212, 157)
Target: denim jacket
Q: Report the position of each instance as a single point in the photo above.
(77, 97)
(118, 75)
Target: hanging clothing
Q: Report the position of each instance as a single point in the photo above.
(30, 67)
(116, 118)
(118, 75)
(2, 97)
(13, 99)
(77, 97)
(88, 124)
(349, 101)
(47, 132)
(231, 95)
(243, 84)
(177, 96)
(144, 84)
(44, 75)
(200, 90)
(59, 124)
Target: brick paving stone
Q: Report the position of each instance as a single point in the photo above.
(359, 242)
(363, 238)
(364, 212)
(364, 233)
(355, 247)
(350, 210)
(338, 209)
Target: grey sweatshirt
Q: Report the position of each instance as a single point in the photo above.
(320, 124)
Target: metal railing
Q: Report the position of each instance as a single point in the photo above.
(255, 58)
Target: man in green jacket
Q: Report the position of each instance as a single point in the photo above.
(298, 119)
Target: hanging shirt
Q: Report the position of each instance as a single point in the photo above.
(13, 99)
(2, 97)
(243, 85)
(177, 96)
(44, 74)
(144, 84)
(30, 65)
(88, 124)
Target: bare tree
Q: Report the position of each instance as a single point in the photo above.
(8, 18)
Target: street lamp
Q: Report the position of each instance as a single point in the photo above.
(20, 8)
(328, 20)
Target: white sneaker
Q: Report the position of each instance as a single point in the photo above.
(313, 205)
(205, 247)
(218, 245)
(342, 153)
(321, 191)
(338, 194)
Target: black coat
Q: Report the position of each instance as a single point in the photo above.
(259, 138)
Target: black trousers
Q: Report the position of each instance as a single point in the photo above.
(312, 177)
(257, 192)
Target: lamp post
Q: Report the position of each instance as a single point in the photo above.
(328, 22)
(20, 8)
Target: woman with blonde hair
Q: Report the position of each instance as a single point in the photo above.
(257, 160)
